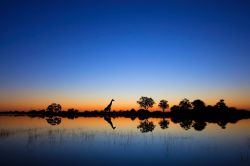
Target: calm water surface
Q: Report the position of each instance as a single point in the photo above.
(121, 141)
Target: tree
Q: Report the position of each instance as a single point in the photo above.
(221, 105)
(54, 108)
(163, 105)
(185, 104)
(198, 105)
(146, 102)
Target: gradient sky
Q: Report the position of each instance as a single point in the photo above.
(82, 54)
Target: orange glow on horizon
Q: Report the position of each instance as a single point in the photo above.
(28, 99)
(90, 106)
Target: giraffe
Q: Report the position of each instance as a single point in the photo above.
(108, 108)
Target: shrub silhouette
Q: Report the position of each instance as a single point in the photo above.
(54, 108)
(146, 126)
(198, 105)
(163, 105)
(72, 111)
(175, 108)
(209, 108)
(132, 111)
(221, 105)
(146, 102)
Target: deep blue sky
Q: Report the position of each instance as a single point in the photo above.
(81, 53)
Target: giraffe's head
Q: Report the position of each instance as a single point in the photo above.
(112, 100)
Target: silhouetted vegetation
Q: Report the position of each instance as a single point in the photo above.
(175, 108)
(163, 105)
(198, 105)
(185, 105)
(187, 114)
(133, 114)
(146, 102)
(221, 105)
(54, 108)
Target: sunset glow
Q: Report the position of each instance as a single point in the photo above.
(82, 55)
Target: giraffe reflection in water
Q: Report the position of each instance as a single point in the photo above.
(107, 118)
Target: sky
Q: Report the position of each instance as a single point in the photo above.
(82, 54)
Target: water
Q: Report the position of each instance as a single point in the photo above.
(94, 141)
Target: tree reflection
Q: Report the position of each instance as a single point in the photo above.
(222, 124)
(146, 126)
(186, 124)
(54, 120)
(199, 125)
(164, 123)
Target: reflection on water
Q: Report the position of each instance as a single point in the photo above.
(164, 123)
(146, 126)
(93, 141)
(53, 120)
(108, 119)
(199, 125)
(186, 124)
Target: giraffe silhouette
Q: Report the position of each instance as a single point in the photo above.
(108, 108)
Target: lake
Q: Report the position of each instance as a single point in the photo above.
(122, 141)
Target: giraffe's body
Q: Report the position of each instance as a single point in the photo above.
(108, 108)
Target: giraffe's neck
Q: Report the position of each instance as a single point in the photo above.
(111, 103)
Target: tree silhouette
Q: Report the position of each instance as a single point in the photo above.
(164, 124)
(54, 108)
(185, 104)
(221, 105)
(163, 105)
(146, 126)
(198, 105)
(146, 102)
